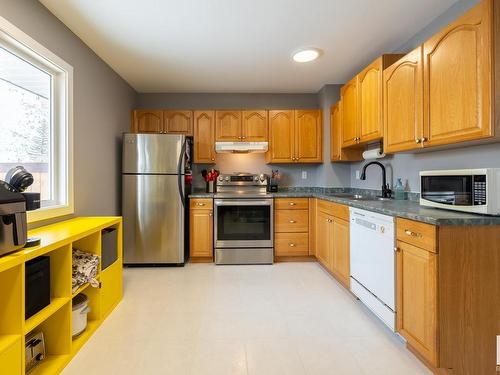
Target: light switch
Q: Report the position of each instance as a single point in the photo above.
(304, 175)
(358, 175)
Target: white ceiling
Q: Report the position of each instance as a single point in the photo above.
(241, 45)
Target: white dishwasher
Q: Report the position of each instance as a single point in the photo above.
(373, 262)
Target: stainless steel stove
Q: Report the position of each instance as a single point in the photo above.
(243, 220)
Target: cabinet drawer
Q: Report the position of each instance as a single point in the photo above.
(291, 221)
(204, 203)
(291, 203)
(337, 210)
(286, 244)
(416, 233)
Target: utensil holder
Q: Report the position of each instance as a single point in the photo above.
(210, 186)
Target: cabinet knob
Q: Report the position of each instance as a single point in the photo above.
(423, 139)
(397, 249)
(291, 244)
(292, 221)
(412, 234)
(213, 159)
(292, 203)
(417, 140)
(243, 137)
(211, 214)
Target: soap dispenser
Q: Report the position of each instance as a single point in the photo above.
(399, 191)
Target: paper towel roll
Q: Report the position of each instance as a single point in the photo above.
(375, 153)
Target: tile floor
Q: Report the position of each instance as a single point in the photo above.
(289, 318)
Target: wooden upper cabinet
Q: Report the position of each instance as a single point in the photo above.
(458, 79)
(228, 126)
(147, 121)
(370, 102)
(417, 299)
(254, 126)
(178, 122)
(308, 136)
(336, 151)
(204, 136)
(403, 103)
(281, 136)
(349, 100)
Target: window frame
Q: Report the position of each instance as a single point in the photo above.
(22, 45)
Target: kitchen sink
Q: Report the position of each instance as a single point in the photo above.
(358, 197)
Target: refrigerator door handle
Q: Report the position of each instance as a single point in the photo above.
(179, 175)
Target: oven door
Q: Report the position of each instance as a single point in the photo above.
(242, 223)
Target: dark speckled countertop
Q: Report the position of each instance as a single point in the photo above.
(409, 209)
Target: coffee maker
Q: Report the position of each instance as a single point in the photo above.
(14, 202)
(13, 226)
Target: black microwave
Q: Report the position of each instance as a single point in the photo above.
(467, 190)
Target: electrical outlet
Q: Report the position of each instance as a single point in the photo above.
(304, 175)
(358, 175)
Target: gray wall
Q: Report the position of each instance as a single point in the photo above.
(408, 166)
(253, 163)
(102, 103)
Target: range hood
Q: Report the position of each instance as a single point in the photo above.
(240, 147)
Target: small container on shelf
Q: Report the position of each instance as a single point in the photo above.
(210, 177)
(399, 191)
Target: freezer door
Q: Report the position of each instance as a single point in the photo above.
(152, 153)
(153, 220)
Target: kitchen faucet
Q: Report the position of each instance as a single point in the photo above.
(386, 191)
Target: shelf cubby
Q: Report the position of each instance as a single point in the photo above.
(57, 242)
(56, 329)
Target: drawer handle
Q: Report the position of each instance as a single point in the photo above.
(413, 234)
(291, 244)
(200, 204)
(329, 220)
(292, 221)
(292, 203)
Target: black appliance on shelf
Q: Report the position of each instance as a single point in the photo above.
(13, 226)
(37, 290)
(109, 251)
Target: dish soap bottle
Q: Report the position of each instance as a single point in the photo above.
(399, 191)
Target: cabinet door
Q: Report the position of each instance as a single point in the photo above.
(178, 122)
(403, 103)
(281, 137)
(349, 100)
(204, 137)
(336, 151)
(370, 102)
(457, 79)
(228, 126)
(417, 299)
(341, 255)
(201, 233)
(147, 121)
(308, 136)
(324, 239)
(254, 126)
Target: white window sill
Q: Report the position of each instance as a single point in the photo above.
(49, 213)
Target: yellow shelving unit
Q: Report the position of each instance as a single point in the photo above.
(54, 320)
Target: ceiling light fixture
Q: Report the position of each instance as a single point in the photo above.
(306, 55)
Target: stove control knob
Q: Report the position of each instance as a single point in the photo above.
(256, 178)
(221, 178)
(227, 179)
(262, 177)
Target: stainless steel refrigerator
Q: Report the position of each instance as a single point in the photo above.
(153, 198)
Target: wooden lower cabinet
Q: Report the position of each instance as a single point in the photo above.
(291, 227)
(417, 271)
(341, 255)
(201, 244)
(332, 239)
(323, 238)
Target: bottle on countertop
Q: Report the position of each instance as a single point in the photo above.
(399, 191)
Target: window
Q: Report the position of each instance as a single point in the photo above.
(36, 119)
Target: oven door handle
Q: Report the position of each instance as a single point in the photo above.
(249, 202)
